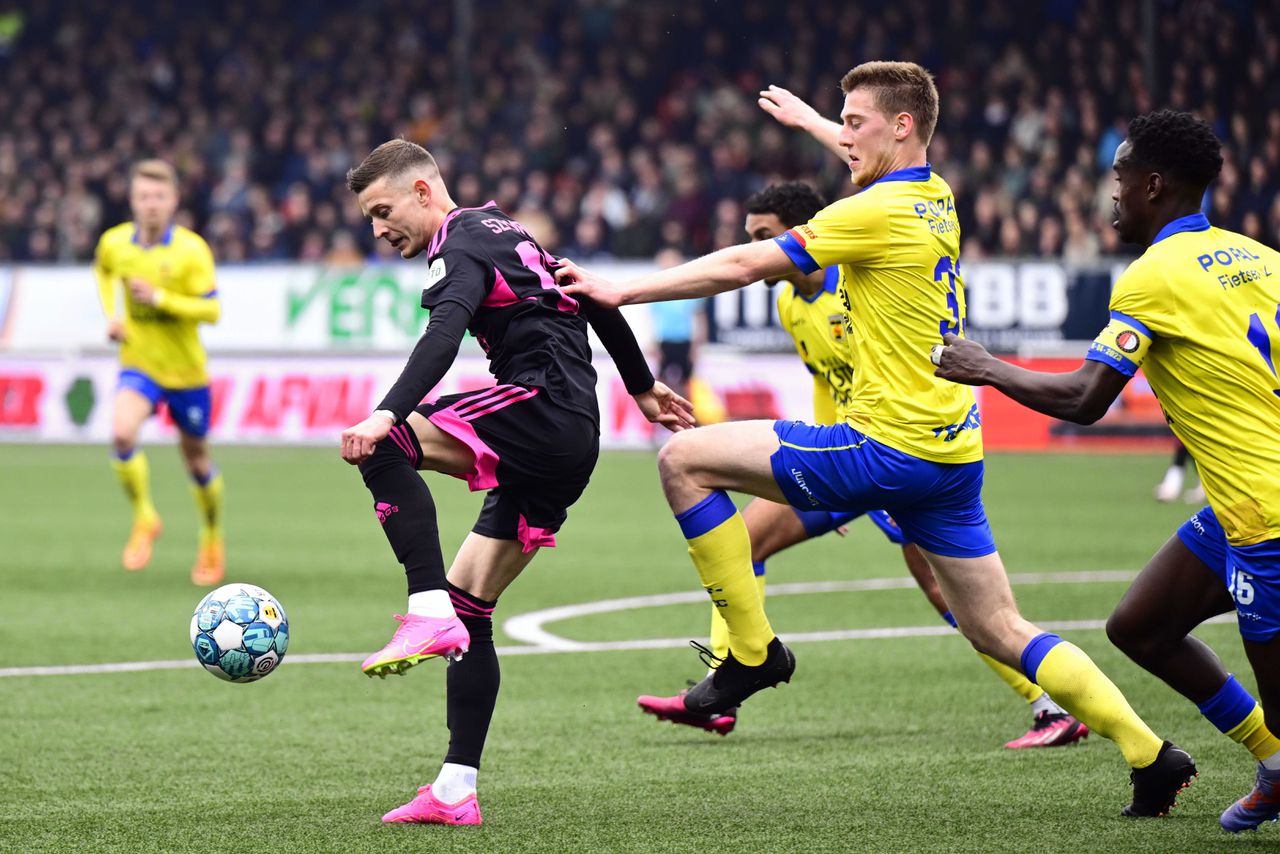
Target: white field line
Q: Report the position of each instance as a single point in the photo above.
(536, 640)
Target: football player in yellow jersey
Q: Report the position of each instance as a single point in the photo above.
(910, 443)
(157, 285)
(809, 309)
(1199, 313)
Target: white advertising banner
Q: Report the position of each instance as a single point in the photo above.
(270, 307)
(310, 400)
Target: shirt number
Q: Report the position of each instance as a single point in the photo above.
(1241, 588)
(947, 271)
(1260, 338)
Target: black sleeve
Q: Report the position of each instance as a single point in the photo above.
(431, 357)
(462, 273)
(620, 341)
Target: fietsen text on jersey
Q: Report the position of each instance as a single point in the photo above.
(1230, 256)
(941, 214)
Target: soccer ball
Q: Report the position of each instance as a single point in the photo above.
(239, 632)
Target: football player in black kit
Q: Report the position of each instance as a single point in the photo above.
(531, 440)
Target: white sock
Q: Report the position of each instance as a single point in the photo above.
(431, 603)
(1272, 762)
(1043, 703)
(454, 783)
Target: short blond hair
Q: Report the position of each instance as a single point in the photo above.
(898, 87)
(155, 169)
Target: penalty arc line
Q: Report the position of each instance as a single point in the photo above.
(538, 641)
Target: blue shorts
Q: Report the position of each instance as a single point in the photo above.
(189, 407)
(835, 468)
(1251, 573)
(819, 522)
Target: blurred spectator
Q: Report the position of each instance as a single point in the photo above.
(626, 124)
(680, 328)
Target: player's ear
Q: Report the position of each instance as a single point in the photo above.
(422, 192)
(1155, 186)
(903, 125)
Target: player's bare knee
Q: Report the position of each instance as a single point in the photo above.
(123, 445)
(675, 460)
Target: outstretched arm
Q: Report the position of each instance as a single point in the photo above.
(724, 270)
(1082, 396)
(431, 358)
(659, 403)
(793, 112)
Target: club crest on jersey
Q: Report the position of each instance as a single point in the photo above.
(836, 322)
(1127, 341)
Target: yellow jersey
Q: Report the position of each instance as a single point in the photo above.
(898, 247)
(1199, 312)
(816, 325)
(161, 341)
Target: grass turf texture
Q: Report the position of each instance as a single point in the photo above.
(878, 745)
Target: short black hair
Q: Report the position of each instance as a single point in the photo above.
(794, 202)
(1177, 145)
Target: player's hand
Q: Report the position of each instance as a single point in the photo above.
(359, 442)
(115, 330)
(577, 282)
(790, 110)
(960, 360)
(663, 406)
(142, 292)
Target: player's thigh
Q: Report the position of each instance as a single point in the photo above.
(485, 567)
(772, 527)
(734, 456)
(129, 411)
(977, 591)
(1175, 592)
(440, 451)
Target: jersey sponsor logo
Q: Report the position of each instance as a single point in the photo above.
(805, 233)
(436, 272)
(798, 477)
(1128, 341)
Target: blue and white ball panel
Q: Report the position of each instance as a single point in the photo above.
(1250, 573)
(836, 468)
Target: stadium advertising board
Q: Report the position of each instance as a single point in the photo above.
(297, 400)
(308, 308)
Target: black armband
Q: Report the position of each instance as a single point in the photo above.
(616, 335)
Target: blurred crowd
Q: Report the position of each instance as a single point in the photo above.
(611, 128)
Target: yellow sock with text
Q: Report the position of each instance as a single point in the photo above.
(721, 552)
(208, 497)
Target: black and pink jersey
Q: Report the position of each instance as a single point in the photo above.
(533, 334)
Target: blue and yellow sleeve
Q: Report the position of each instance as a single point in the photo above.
(845, 232)
(1122, 344)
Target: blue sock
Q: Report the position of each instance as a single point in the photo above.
(1228, 708)
(1035, 652)
(707, 514)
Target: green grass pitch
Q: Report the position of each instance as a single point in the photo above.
(877, 745)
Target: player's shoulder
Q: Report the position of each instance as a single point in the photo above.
(115, 235)
(184, 238)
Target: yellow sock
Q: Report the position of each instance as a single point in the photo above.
(1021, 685)
(209, 502)
(1253, 734)
(135, 477)
(721, 552)
(720, 629)
(1079, 686)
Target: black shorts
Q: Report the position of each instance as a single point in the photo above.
(676, 362)
(533, 456)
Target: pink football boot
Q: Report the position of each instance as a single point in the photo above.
(418, 639)
(426, 808)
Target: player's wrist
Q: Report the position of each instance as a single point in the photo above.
(391, 417)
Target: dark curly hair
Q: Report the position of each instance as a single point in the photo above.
(794, 202)
(1177, 145)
